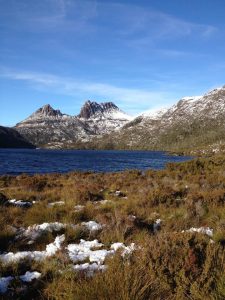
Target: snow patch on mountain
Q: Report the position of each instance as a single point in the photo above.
(154, 114)
(50, 127)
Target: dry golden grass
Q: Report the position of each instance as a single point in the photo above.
(169, 264)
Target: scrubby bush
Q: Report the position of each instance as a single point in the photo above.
(168, 263)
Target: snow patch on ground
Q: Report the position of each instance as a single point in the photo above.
(29, 276)
(118, 193)
(35, 231)
(103, 202)
(78, 207)
(157, 225)
(19, 203)
(57, 203)
(204, 230)
(89, 269)
(126, 250)
(86, 250)
(4, 283)
(50, 250)
(92, 225)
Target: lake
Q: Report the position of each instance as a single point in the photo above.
(32, 161)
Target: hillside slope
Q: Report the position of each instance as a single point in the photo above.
(10, 138)
(193, 122)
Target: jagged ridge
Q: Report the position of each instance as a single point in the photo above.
(91, 109)
(51, 128)
(191, 122)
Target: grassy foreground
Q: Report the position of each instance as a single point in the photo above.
(167, 264)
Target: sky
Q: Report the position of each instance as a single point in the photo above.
(140, 54)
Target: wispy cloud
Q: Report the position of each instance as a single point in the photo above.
(174, 53)
(133, 100)
(129, 21)
(142, 26)
(49, 15)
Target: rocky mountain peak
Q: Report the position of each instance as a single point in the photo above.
(51, 128)
(90, 108)
(48, 111)
(106, 106)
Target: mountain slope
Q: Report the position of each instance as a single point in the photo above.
(193, 122)
(51, 128)
(10, 138)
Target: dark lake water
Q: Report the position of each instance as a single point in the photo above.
(17, 161)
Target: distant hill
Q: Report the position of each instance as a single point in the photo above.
(10, 138)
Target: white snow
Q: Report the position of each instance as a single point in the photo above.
(126, 249)
(118, 114)
(89, 269)
(86, 250)
(118, 193)
(59, 203)
(214, 91)
(154, 114)
(78, 207)
(92, 225)
(83, 251)
(117, 246)
(99, 256)
(4, 283)
(60, 126)
(191, 99)
(29, 276)
(19, 203)
(35, 231)
(204, 230)
(50, 250)
(157, 225)
(104, 201)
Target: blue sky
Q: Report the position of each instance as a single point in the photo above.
(141, 54)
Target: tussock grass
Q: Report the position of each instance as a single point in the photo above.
(169, 264)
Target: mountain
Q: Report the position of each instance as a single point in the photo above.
(192, 123)
(94, 110)
(50, 128)
(10, 138)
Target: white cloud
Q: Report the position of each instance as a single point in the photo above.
(131, 99)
